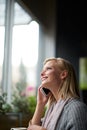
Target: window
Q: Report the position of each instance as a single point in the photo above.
(83, 73)
(19, 59)
(2, 35)
(25, 57)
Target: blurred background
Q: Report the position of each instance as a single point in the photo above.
(30, 31)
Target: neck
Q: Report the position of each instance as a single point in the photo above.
(56, 94)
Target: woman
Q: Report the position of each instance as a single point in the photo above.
(65, 110)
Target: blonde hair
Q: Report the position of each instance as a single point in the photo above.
(69, 87)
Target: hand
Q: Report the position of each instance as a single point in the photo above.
(36, 127)
(41, 98)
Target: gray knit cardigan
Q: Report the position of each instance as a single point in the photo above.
(73, 117)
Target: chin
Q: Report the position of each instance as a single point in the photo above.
(45, 85)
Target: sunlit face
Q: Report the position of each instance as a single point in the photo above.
(50, 76)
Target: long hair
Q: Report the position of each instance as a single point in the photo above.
(69, 87)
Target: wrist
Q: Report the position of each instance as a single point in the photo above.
(40, 105)
(42, 128)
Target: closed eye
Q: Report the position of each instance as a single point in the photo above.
(48, 68)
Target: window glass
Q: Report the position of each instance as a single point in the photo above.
(24, 53)
(2, 12)
(20, 16)
(83, 73)
(2, 34)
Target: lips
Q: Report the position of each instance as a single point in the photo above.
(43, 78)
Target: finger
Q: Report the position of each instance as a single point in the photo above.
(29, 128)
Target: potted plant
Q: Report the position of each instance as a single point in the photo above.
(4, 106)
(18, 113)
(25, 106)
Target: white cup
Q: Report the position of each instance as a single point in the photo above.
(19, 128)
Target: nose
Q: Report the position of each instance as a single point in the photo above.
(42, 73)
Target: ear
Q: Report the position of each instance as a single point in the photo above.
(64, 74)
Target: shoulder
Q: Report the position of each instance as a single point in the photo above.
(74, 116)
(76, 112)
(76, 102)
(76, 105)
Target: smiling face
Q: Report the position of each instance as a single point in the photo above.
(58, 75)
(50, 76)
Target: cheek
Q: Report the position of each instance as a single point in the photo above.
(56, 78)
(53, 76)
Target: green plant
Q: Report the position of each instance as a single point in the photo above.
(32, 104)
(23, 104)
(4, 106)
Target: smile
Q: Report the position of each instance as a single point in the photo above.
(43, 78)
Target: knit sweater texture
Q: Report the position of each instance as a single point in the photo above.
(73, 117)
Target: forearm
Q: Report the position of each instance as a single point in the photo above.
(41, 102)
(37, 115)
(36, 127)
